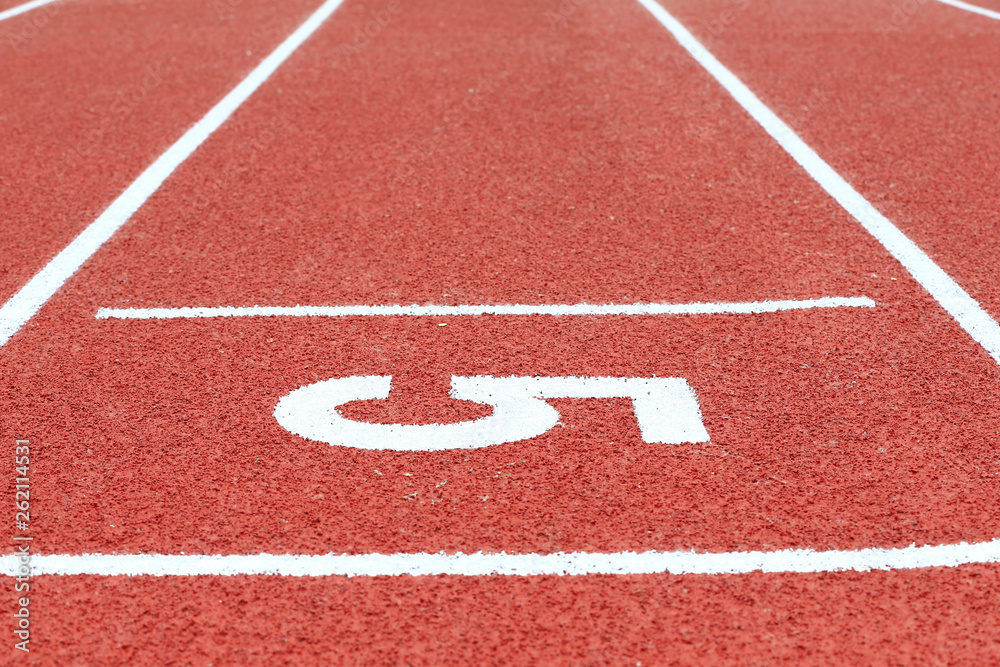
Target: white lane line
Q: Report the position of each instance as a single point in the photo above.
(972, 8)
(26, 7)
(515, 309)
(521, 565)
(29, 299)
(966, 311)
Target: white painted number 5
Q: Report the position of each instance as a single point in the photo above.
(666, 409)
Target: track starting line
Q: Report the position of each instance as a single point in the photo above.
(794, 561)
(748, 308)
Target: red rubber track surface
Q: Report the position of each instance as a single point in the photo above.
(92, 94)
(900, 98)
(935, 616)
(481, 154)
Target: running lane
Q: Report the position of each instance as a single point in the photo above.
(499, 154)
(900, 97)
(842, 618)
(92, 92)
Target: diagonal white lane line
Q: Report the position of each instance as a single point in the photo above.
(745, 308)
(799, 561)
(972, 8)
(966, 311)
(29, 299)
(21, 9)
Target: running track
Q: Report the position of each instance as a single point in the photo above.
(555, 156)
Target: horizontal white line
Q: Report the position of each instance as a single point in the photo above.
(972, 8)
(966, 310)
(522, 565)
(36, 292)
(514, 309)
(26, 7)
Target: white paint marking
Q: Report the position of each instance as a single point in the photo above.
(748, 308)
(966, 311)
(956, 301)
(972, 8)
(798, 561)
(666, 409)
(29, 299)
(26, 7)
